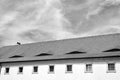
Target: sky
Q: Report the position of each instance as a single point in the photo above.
(29, 21)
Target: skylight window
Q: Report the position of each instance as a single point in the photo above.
(16, 56)
(76, 52)
(44, 54)
(112, 50)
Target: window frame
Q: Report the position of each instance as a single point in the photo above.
(51, 71)
(109, 68)
(71, 68)
(19, 70)
(36, 66)
(88, 68)
(7, 72)
(0, 68)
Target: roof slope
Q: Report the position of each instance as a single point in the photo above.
(84, 47)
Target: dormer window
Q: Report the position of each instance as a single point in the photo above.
(112, 50)
(43, 54)
(16, 56)
(76, 52)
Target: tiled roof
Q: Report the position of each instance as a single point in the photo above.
(95, 46)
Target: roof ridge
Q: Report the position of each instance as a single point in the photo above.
(66, 39)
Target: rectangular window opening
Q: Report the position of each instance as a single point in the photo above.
(88, 68)
(111, 67)
(20, 70)
(69, 68)
(7, 70)
(35, 69)
(51, 68)
(0, 69)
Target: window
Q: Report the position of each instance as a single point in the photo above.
(7, 70)
(51, 68)
(88, 68)
(43, 54)
(111, 67)
(35, 69)
(16, 56)
(0, 68)
(20, 70)
(69, 68)
(76, 52)
(112, 50)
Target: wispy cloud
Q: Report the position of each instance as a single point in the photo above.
(40, 20)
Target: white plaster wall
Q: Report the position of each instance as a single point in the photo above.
(99, 72)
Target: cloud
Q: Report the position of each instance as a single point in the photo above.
(42, 20)
(32, 21)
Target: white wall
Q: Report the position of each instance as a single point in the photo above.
(99, 72)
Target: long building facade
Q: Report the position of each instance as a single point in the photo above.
(92, 58)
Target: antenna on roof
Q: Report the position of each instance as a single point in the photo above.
(18, 43)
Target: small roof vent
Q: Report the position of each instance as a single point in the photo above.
(16, 56)
(112, 50)
(43, 54)
(76, 52)
(18, 43)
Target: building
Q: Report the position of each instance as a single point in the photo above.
(88, 58)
